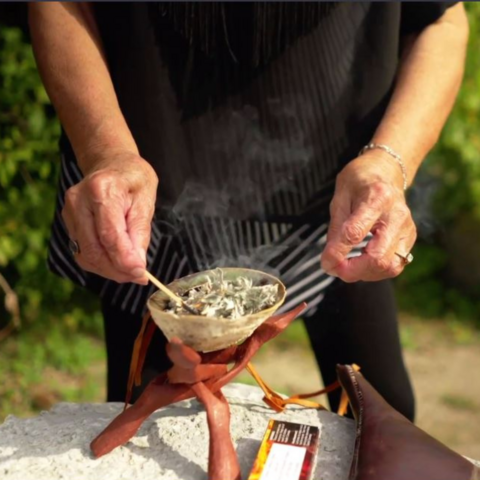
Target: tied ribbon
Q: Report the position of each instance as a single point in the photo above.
(271, 398)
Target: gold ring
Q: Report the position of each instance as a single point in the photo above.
(407, 259)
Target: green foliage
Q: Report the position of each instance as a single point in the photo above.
(426, 287)
(455, 160)
(424, 290)
(425, 273)
(29, 165)
(58, 318)
(295, 334)
(41, 366)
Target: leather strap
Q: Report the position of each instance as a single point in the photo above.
(278, 403)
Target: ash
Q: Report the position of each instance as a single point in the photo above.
(228, 299)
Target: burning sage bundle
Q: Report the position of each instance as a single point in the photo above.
(228, 299)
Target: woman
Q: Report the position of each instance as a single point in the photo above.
(252, 117)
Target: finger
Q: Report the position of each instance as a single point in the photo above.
(92, 256)
(347, 231)
(388, 232)
(373, 264)
(111, 227)
(139, 221)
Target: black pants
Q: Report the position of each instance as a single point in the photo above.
(355, 323)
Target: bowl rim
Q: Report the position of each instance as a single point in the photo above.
(267, 311)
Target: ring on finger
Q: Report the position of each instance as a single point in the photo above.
(74, 247)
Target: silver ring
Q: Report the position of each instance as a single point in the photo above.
(407, 259)
(74, 247)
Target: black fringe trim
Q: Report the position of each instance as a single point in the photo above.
(273, 26)
(213, 49)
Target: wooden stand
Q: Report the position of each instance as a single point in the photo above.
(200, 375)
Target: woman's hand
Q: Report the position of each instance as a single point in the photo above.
(369, 197)
(109, 215)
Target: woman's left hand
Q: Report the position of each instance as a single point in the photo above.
(369, 197)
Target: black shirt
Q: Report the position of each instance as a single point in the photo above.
(270, 147)
(247, 127)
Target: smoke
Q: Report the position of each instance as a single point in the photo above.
(253, 160)
(420, 201)
(203, 200)
(258, 258)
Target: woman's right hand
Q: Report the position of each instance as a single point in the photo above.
(109, 215)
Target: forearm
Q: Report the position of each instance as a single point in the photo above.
(75, 74)
(429, 78)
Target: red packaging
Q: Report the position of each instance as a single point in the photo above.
(288, 452)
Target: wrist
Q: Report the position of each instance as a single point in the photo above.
(107, 158)
(106, 143)
(375, 166)
(124, 168)
(386, 153)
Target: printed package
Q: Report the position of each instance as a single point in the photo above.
(288, 452)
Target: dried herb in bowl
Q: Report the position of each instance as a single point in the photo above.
(228, 299)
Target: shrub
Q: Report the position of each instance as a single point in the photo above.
(29, 166)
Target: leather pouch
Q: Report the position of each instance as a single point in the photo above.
(389, 447)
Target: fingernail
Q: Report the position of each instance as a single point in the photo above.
(143, 255)
(329, 270)
(138, 272)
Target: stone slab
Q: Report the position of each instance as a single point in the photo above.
(171, 445)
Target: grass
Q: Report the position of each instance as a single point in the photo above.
(295, 334)
(459, 402)
(408, 337)
(39, 368)
(448, 331)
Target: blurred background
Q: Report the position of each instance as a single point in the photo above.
(51, 333)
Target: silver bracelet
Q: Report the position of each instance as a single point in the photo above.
(391, 152)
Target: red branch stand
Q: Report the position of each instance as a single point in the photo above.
(200, 375)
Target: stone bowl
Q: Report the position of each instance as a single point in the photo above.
(207, 334)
